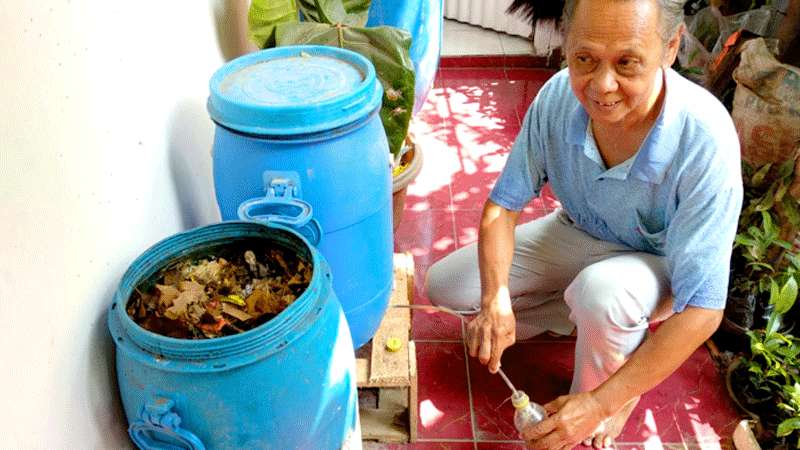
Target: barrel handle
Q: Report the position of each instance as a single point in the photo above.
(158, 428)
(282, 205)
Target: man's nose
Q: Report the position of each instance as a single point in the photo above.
(604, 80)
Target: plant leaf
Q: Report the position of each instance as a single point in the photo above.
(758, 265)
(745, 239)
(357, 11)
(774, 291)
(790, 209)
(793, 259)
(264, 15)
(786, 168)
(770, 230)
(388, 50)
(756, 233)
(789, 425)
(781, 192)
(758, 177)
(332, 12)
(787, 297)
(767, 201)
(322, 11)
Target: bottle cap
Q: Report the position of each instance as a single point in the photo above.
(520, 400)
(393, 344)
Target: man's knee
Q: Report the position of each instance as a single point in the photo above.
(598, 298)
(435, 284)
(443, 287)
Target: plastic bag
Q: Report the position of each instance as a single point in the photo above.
(708, 31)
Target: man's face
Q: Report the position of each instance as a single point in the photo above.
(614, 52)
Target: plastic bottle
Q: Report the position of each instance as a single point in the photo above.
(526, 412)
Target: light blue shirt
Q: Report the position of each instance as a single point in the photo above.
(679, 196)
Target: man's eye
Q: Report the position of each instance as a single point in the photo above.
(583, 59)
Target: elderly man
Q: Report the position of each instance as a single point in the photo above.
(646, 165)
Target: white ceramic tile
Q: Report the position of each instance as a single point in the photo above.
(515, 45)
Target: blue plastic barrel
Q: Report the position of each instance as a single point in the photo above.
(306, 117)
(286, 384)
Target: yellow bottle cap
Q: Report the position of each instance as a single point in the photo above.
(393, 344)
(520, 400)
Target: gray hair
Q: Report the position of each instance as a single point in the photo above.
(670, 17)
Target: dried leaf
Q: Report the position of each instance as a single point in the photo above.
(235, 312)
(168, 294)
(217, 296)
(186, 303)
(250, 259)
(262, 301)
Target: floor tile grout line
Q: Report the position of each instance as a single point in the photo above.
(469, 389)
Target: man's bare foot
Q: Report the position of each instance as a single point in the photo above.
(612, 427)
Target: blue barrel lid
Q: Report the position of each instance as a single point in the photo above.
(294, 90)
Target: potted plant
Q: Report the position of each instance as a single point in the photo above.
(762, 252)
(766, 383)
(765, 379)
(342, 23)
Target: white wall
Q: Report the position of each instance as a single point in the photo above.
(104, 150)
(488, 14)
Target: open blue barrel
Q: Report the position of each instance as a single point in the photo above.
(305, 119)
(286, 384)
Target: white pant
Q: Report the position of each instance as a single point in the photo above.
(609, 291)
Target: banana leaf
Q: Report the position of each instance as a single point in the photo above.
(359, 9)
(388, 50)
(264, 15)
(348, 12)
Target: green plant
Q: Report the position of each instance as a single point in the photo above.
(769, 378)
(765, 263)
(762, 252)
(341, 23)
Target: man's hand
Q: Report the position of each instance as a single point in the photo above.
(571, 419)
(492, 331)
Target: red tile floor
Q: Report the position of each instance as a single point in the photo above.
(465, 129)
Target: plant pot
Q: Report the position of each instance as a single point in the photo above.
(755, 420)
(410, 166)
(741, 313)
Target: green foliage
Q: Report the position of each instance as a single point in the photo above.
(263, 16)
(773, 370)
(765, 263)
(340, 23)
(760, 255)
(351, 13)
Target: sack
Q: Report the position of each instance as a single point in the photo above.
(766, 106)
(708, 32)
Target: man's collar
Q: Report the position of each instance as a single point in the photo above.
(656, 153)
(658, 150)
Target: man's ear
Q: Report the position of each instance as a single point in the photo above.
(671, 52)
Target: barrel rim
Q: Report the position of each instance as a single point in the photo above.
(268, 337)
(287, 120)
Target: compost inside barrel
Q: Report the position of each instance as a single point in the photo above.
(222, 292)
